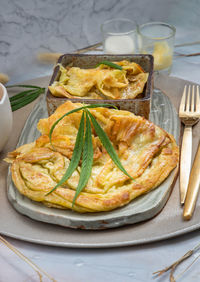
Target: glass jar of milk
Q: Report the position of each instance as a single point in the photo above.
(119, 36)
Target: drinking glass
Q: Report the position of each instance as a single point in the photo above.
(119, 36)
(157, 38)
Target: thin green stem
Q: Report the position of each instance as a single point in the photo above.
(23, 85)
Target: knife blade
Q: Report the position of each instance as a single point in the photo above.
(193, 187)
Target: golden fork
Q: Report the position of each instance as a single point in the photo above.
(189, 113)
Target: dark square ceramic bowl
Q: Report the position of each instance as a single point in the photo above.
(139, 106)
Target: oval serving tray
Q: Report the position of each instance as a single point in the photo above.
(145, 207)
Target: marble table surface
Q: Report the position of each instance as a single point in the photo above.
(27, 27)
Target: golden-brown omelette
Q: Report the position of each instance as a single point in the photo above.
(147, 152)
(102, 82)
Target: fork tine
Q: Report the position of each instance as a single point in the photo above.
(198, 101)
(192, 99)
(183, 99)
(188, 99)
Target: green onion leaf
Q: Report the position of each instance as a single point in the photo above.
(76, 156)
(87, 160)
(74, 111)
(110, 64)
(107, 144)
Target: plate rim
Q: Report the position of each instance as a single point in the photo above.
(102, 221)
(60, 243)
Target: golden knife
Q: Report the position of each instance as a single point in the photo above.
(193, 187)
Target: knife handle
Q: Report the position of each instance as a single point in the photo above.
(185, 165)
(193, 187)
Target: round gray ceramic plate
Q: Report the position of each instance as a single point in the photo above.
(140, 209)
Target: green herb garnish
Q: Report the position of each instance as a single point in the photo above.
(77, 110)
(76, 156)
(87, 160)
(23, 85)
(83, 146)
(110, 64)
(25, 97)
(107, 144)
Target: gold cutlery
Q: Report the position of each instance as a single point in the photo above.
(193, 188)
(189, 113)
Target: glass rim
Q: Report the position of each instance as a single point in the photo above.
(118, 33)
(169, 26)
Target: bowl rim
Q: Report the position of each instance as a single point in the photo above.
(3, 93)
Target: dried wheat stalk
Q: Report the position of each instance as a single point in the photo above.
(174, 265)
(4, 78)
(50, 57)
(38, 270)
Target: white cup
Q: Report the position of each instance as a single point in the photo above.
(6, 118)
